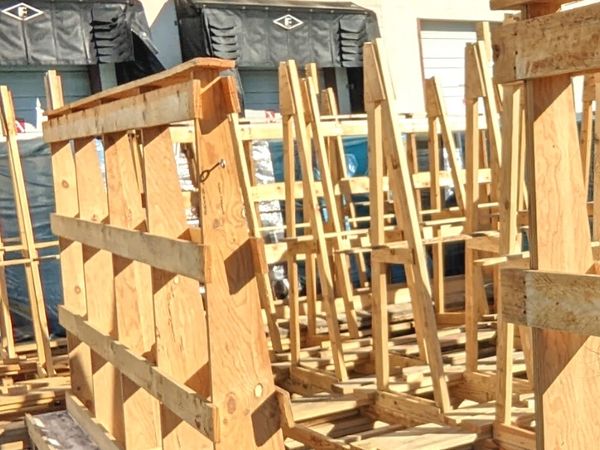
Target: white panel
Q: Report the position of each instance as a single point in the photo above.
(443, 54)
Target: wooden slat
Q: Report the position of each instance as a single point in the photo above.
(177, 397)
(517, 4)
(181, 333)
(99, 287)
(90, 425)
(133, 289)
(172, 255)
(510, 436)
(168, 77)
(421, 437)
(71, 256)
(552, 300)
(158, 107)
(242, 386)
(549, 45)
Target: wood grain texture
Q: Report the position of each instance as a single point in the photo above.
(517, 4)
(132, 283)
(248, 407)
(99, 287)
(548, 45)
(551, 300)
(181, 334)
(71, 256)
(559, 241)
(181, 72)
(176, 396)
(172, 255)
(158, 107)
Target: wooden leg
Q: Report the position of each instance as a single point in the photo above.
(471, 285)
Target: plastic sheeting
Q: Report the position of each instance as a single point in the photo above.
(36, 162)
(262, 34)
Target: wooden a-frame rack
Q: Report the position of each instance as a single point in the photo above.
(139, 331)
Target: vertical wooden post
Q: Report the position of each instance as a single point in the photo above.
(249, 414)
(97, 267)
(133, 291)
(179, 316)
(560, 241)
(266, 292)
(73, 280)
(509, 241)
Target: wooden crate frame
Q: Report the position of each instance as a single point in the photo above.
(136, 321)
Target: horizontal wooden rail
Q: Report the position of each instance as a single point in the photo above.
(548, 45)
(517, 4)
(558, 301)
(155, 108)
(172, 255)
(165, 78)
(180, 399)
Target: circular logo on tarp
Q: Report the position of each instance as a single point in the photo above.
(22, 11)
(288, 22)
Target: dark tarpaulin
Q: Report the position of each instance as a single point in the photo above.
(75, 32)
(329, 34)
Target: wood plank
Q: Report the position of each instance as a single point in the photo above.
(181, 332)
(71, 256)
(158, 107)
(509, 435)
(54, 431)
(548, 45)
(99, 287)
(558, 213)
(172, 255)
(242, 386)
(427, 436)
(517, 4)
(164, 78)
(133, 287)
(182, 400)
(91, 426)
(552, 300)
(379, 311)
